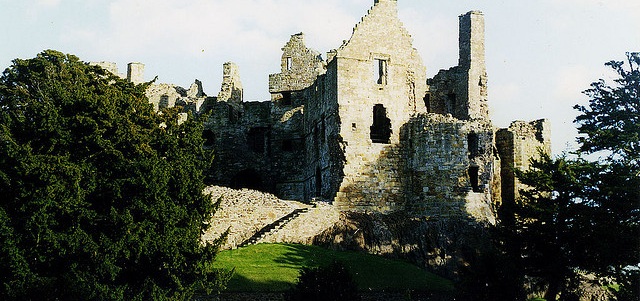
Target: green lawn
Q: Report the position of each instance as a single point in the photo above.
(275, 267)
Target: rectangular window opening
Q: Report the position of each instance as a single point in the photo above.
(381, 71)
(474, 175)
(286, 98)
(289, 63)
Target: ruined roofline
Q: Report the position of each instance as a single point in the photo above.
(378, 5)
(473, 12)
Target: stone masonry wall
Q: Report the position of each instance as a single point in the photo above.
(516, 146)
(454, 179)
(462, 90)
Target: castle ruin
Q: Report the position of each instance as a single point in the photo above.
(364, 128)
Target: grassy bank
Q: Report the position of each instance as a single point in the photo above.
(275, 267)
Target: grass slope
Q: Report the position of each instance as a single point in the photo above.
(275, 267)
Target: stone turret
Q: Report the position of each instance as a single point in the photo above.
(231, 90)
(135, 73)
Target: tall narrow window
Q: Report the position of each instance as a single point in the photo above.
(381, 71)
(318, 182)
(209, 138)
(472, 143)
(381, 128)
(451, 103)
(474, 178)
(289, 63)
(164, 102)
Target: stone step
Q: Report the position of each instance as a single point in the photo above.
(273, 227)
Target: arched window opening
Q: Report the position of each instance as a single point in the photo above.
(381, 128)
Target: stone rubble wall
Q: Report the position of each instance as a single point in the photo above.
(244, 212)
(307, 226)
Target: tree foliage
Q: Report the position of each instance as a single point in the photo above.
(581, 216)
(611, 120)
(101, 196)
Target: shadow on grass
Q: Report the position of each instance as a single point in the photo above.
(239, 283)
(276, 267)
(371, 273)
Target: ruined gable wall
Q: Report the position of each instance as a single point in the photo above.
(378, 65)
(300, 66)
(299, 121)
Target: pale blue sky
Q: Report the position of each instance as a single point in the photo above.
(540, 54)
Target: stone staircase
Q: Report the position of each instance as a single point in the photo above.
(273, 227)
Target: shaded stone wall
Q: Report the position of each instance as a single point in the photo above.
(240, 137)
(517, 145)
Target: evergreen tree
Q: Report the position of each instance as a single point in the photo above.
(584, 216)
(101, 197)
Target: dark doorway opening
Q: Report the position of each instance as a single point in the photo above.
(286, 98)
(381, 128)
(248, 178)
